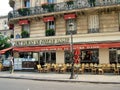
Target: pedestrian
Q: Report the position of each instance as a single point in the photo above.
(11, 65)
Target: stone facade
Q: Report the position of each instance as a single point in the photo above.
(94, 24)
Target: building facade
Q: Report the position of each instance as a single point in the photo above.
(4, 28)
(42, 30)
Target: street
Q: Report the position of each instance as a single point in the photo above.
(19, 84)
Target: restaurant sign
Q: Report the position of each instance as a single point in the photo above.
(41, 42)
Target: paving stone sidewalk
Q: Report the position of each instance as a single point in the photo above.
(86, 78)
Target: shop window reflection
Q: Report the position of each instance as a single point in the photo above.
(114, 55)
(89, 56)
(86, 56)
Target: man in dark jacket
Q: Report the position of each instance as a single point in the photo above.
(11, 65)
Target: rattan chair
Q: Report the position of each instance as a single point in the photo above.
(39, 68)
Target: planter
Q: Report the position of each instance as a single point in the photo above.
(49, 7)
(50, 32)
(24, 34)
(24, 11)
(69, 2)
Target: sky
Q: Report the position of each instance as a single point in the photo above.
(4, 7)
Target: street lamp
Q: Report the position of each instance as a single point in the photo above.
(71, 50)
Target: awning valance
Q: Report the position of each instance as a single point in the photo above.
(66, 47)
(41, 48)
(69, 16)
(47, 19)
(5, 50)
(23, 22)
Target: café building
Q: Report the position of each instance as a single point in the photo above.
(42, 30)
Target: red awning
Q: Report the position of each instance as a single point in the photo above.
(5, 50)
(23, 22)
(47, 19)
(99, 45)
(11, 26)
(41, 48)
(66, 47)
(69, 16)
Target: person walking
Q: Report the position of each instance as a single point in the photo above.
(11, 65)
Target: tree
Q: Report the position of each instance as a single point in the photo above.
(4, 42)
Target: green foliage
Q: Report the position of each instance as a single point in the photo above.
(24, 11)
(24, 34)
(4, 42)
(50, 32)
(49, 7)
(69, 2)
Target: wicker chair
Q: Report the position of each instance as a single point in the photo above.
(40, 69)
(94, 68)
(101, 68)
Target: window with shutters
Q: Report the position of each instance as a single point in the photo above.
(93, 24)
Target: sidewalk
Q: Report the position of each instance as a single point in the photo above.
(86, 78)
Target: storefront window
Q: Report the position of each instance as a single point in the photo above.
(89, 56)
(26, 55)
(67, 57)
(47, 57)
(86, 56)
(114, 55)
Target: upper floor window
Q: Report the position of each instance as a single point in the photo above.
(51, 1)
(50, 28)
(25, 31)
(93, 24)
(27, 3)
(50, 25)
(71, 26)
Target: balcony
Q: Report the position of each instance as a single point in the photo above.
(64, 6)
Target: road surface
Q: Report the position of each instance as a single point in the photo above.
(19, 84)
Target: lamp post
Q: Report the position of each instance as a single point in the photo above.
(71, 51)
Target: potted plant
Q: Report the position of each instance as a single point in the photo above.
(45, 6)
(70, 2)
(49, 7)
(50, 32)
(24, 11)
(24, 34)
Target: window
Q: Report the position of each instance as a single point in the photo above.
(50, 25)
(5, 25)
(114, 55)
(25, 31)
(47, 57)
(93, 22)
(26, 27)
(71, 26)
(51, 1)
(67, 57)
(89, 56)
(50, 28)
(27, 3)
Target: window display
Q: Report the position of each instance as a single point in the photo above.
(114, 55)
(89, 56)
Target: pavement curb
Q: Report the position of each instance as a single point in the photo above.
(59, 80)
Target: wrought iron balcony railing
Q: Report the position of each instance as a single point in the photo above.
(64, 6)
